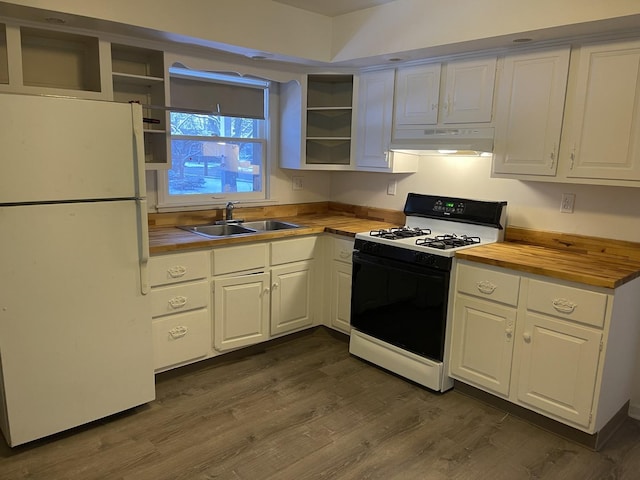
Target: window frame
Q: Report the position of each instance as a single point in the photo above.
(168, 202)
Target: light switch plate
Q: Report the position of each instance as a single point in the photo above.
(391, 187)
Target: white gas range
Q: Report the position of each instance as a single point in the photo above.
(401, 280)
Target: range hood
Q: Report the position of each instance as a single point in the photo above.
(444, 140)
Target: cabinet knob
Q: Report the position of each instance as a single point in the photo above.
(178, 332)
(486, 287)
(178, 302)
(509, 332)
(274, 286)
(563, 305)
(177, 271)
(527, 337)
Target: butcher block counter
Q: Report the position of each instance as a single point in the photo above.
(591, 261)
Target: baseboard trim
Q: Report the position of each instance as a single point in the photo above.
(634, 411)
(593, 441)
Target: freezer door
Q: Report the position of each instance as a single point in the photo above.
(75, 328)
(67, 149)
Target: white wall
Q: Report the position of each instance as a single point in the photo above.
(406, 25)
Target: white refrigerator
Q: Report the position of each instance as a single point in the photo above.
(75, 322)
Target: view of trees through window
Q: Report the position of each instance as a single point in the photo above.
(215, 154)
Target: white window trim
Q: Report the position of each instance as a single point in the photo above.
(169, 203)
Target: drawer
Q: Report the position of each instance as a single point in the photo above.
(179, 298)
(293, 250)
(180, 338)
(488, 284)
(342, 249)
(239, 258)
(571, 303)
(179, 267)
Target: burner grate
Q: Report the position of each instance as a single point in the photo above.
(400, 232)
(445, 242)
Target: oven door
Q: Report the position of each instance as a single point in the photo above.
(400, 303)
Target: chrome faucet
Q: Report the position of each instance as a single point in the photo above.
(229, 211)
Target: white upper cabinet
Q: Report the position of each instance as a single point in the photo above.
(468, 92)
(417, 92)
(375, 109)
(456, 92)
(602, 139)
(375, 116)
(529, 108)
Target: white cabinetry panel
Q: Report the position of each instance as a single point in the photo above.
(529, 111)
(603, 139)
(558, 369)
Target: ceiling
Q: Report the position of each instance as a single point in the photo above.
(333, 8)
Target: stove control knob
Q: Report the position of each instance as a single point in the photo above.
(372, 247)
(424, 258)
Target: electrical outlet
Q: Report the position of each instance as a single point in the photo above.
(566, 204)
(391, 187)
(296, 183)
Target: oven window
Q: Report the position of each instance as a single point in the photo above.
(400, 303)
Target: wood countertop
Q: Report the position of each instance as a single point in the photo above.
(170, 239)
(584, 267)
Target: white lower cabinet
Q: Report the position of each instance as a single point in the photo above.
(559, 367)
(561, 349)
(241, 310)
(483, 328)
(291, 297)
(269, 293)
(341, 296)
(484, 344)
(259, 290)
(339, 283)
(181, 322)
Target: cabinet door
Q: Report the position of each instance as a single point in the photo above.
(482, 344)
(341, 296)
(604, 121)
(529, 109)
(416, 97)
(468, 93)
(291, 292)
(241, 311)
(375, 110)
(558, 367)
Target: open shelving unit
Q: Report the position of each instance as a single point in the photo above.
(329, 115)
(138, 76)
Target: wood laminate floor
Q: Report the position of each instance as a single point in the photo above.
(305, 409)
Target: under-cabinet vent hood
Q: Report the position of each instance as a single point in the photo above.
(466, 140)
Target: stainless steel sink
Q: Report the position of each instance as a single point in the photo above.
(269, 225)
(215, 231)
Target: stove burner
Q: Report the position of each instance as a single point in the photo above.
(400, 232)
(445, 242)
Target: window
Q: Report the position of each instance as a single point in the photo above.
(218, 139)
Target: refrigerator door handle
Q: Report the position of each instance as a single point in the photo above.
(138, 135)
(143, 245)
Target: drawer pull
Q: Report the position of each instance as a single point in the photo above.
(177, 271)
(563, 305)
(178, 302)
(178, 332)
(486, 287)
(345, 254)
